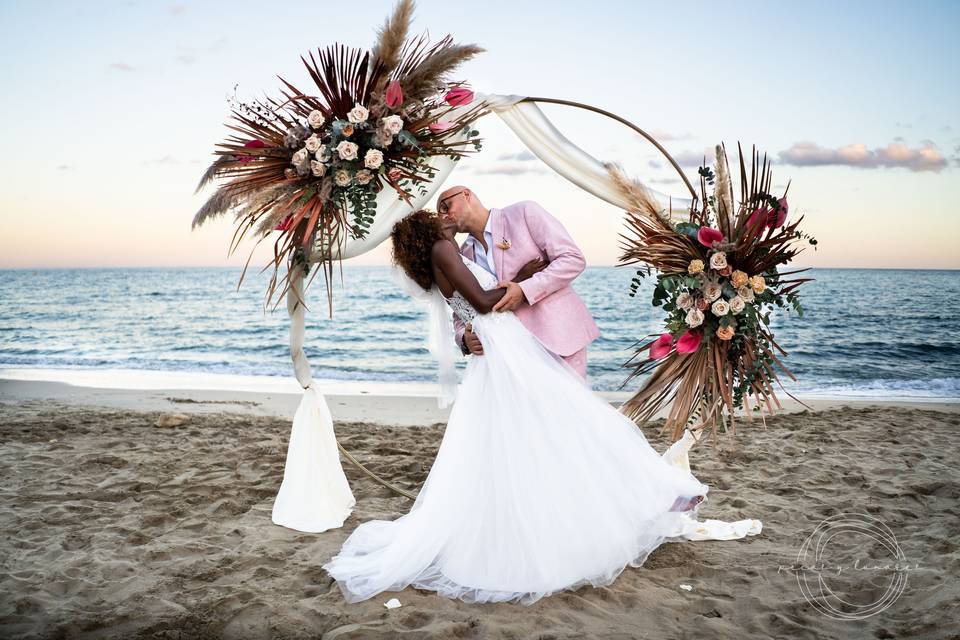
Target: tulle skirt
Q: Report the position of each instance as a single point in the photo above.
(539, 486)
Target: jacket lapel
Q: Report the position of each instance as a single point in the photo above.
(498, 234)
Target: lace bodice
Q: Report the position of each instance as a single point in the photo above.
(463, 309)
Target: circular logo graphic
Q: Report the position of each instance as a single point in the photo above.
(851, 567)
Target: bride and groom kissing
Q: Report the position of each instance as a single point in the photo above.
(539, 485)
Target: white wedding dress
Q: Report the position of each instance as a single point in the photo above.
(539, 486)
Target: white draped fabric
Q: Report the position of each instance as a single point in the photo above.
(314, 495)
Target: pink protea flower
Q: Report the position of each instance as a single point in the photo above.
(707, 236)
(458, 96)
(394, 95)
(440, 127)
(689, 342)
(661, 347)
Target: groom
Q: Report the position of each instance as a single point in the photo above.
(504, 240)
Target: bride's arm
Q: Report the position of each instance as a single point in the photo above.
(446, 257)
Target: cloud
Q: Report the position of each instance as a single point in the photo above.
(122, 66)
(186, 58)
(64, 167)
(162, 160)
(895, 154)
(693, 158)
(175, 8)
(510, 168)
(522, 156)
(654, 164)
(663, 136)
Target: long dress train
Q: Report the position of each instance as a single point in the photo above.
(538, 486)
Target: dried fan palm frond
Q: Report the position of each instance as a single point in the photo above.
(208, 176)
(219, 203)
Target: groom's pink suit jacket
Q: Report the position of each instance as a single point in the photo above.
(553, 312)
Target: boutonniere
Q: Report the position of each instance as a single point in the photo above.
(503, 244)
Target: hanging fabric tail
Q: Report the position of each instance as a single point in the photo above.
(314, 495)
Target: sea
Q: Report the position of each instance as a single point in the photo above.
(865, 333)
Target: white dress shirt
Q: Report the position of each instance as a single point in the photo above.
(481, 257)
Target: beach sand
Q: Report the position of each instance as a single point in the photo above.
(115, 527)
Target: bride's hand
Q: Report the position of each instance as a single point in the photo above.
(536, 265)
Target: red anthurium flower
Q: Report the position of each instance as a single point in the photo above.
(251, 144)
(440, 127)
(458, 96)
(707, 236)
(285, 224)
(689, 342)
(662, 346)
(394, 95)
(781, 214)
(759, 218)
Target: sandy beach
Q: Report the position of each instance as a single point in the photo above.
(113, 526)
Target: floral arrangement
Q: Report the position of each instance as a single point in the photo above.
(719, 279)
(312, 166)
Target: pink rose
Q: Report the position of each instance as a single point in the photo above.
(458, 96)
(702, 304)
(707, 236)
(394, 95)
(662, 346)
(689, 342)
(285, 224)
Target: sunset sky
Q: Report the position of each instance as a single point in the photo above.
(112, 109)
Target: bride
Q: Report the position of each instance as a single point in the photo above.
(539, 485)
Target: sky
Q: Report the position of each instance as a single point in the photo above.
(113, 110)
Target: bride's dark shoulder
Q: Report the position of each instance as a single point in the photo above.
(444, 251)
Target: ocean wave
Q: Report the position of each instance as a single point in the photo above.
(933, 388)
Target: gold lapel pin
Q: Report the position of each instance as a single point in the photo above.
(504, 244)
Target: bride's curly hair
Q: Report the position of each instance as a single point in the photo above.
(413, 239)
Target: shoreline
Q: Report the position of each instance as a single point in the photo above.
(380, 403)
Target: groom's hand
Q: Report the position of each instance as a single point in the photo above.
(511, 299)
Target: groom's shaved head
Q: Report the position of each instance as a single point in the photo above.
(459, 204)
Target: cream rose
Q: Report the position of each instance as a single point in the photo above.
(347, 150)
(300, 157)
(358, 114)
(694, 318)
(392, 124)
(364, 176)
(373, 159)
(695, 267)
(718, 260)
(318, 168)
(712, 291)
(758, 284)
(737, 305)
(725, 333)
(313, 143)
(685, 301)
(746, 293)
(341, 177)
(720, 308)
(315, 119)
